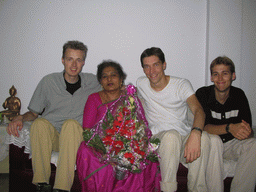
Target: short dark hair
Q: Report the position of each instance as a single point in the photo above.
(110, 63)
(153, 51)
(225, 61)
(77, 45)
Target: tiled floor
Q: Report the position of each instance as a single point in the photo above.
(4, 182)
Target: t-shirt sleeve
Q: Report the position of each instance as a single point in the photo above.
(185, 89)
(90, 111)
(139, 88)
(38, 100)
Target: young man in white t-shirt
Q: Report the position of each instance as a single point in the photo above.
(166, 101)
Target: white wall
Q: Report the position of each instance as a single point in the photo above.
(225, 32)
(32, 34)
(231, 32)
(248, 55)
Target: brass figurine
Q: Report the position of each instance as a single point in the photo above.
(12, 104)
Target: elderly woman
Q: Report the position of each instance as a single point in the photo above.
(97, 166)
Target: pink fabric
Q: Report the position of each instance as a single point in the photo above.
(93, 110)
(104, 180)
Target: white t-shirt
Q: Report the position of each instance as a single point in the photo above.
(166, 109)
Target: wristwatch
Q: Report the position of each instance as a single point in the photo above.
(197, 128)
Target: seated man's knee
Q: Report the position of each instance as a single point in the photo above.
(253, 141)
(170, 145)
(171, 136)
(70, 125)
(40, 124)
(70, 122)
(205, 141)
(216, 142)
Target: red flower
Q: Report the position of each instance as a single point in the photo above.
(130, 157)
(142, 153)
(130, 123)
(110, 132)
(120, 117)
(128, 130)
(134, 144)
(117, 123)
(118, 146)
(107, 140)
(125, 133)
(126, 111)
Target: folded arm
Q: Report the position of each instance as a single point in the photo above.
(238, 130)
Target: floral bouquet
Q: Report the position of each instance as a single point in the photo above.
(122, 137)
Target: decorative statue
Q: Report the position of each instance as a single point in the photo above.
(12, 104)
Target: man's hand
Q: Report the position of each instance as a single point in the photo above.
(193, 146)
(241, 130)
(15, 125)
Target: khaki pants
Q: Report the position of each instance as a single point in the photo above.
(44, 139)
(171, 151)
(241, 151)
(215, 167)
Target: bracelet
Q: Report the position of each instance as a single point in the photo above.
(197, 128)
(227, 127)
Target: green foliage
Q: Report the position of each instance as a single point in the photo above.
(155, 141)
(137, 171)
(110, 118)
(153, 156)
(95, 142)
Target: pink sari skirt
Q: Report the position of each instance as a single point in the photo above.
(104, 180)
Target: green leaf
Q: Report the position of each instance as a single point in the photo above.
(155, 141)
(95, 142)
(110, 117)
(136, 171)
(152, 157)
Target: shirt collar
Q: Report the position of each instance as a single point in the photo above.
(212, 97)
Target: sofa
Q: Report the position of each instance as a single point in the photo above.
(21, 174)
